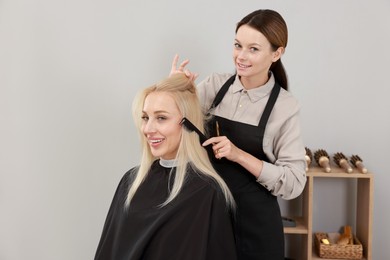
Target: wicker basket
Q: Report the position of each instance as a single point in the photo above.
(333, 250)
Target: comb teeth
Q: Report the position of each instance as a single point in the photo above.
(322, 159)
(320, 153)
(308, 157)
(309, 153)
(354, 159)
(338, 157)
(358, 163)
(342, 161)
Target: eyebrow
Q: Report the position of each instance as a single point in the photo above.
(157, 112)
(251, 44)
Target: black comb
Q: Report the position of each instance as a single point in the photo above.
(191, 127)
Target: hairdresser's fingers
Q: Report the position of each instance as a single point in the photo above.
(218, 143)
(194, 76)
(218, 154)
(230, 151)
(223, 147)
(212, 140)
(174, 63)
(180, 69)
(183, 64)
(190, 75)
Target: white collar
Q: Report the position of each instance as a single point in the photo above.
(168, 163)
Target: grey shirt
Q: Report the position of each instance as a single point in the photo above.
(285, 176)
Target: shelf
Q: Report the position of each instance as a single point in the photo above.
(363, 214)
(300, 227)
(337, 173)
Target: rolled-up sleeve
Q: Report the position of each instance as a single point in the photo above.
(285, 175)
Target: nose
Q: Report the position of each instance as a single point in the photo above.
(149, 127)
(241, 54)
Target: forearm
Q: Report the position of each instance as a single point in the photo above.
(250, 163)
(286, 180)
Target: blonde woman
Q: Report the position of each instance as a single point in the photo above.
(174, 205)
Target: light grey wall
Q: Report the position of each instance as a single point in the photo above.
(69, 70)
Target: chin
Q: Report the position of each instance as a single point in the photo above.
(156, 154)
(242, 74)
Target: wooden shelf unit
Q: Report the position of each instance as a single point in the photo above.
(363, 215)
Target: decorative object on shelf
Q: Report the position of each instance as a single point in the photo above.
(342, 161)
(334, 250)
(325, 241)
(358, 163)
(346, 238)
(308, 157)
(322, 159)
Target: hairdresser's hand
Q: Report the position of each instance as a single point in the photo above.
(223, 147)
(182, 68)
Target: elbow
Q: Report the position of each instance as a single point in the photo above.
(294, 186)
(295, 192)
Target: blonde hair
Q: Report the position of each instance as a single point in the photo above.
(190, 152)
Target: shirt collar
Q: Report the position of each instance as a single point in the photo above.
(257, 93)
(168, 163)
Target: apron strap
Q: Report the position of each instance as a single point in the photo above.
(221, 93)
(267, 110)
(269, 106)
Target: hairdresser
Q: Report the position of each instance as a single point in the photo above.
(255, 133)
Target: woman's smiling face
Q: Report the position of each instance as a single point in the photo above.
(252, 53)
(161, 125)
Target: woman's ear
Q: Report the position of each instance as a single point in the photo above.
(277, 54)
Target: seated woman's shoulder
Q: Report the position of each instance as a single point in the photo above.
(203, 180)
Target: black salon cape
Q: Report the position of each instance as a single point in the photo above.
(195, 225)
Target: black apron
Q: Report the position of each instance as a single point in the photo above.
(258, 224)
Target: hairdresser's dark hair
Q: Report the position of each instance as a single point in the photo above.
(272, 25)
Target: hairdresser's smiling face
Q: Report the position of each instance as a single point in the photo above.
(161, 125)
(253, 54)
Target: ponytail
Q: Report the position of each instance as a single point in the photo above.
(280, 75)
